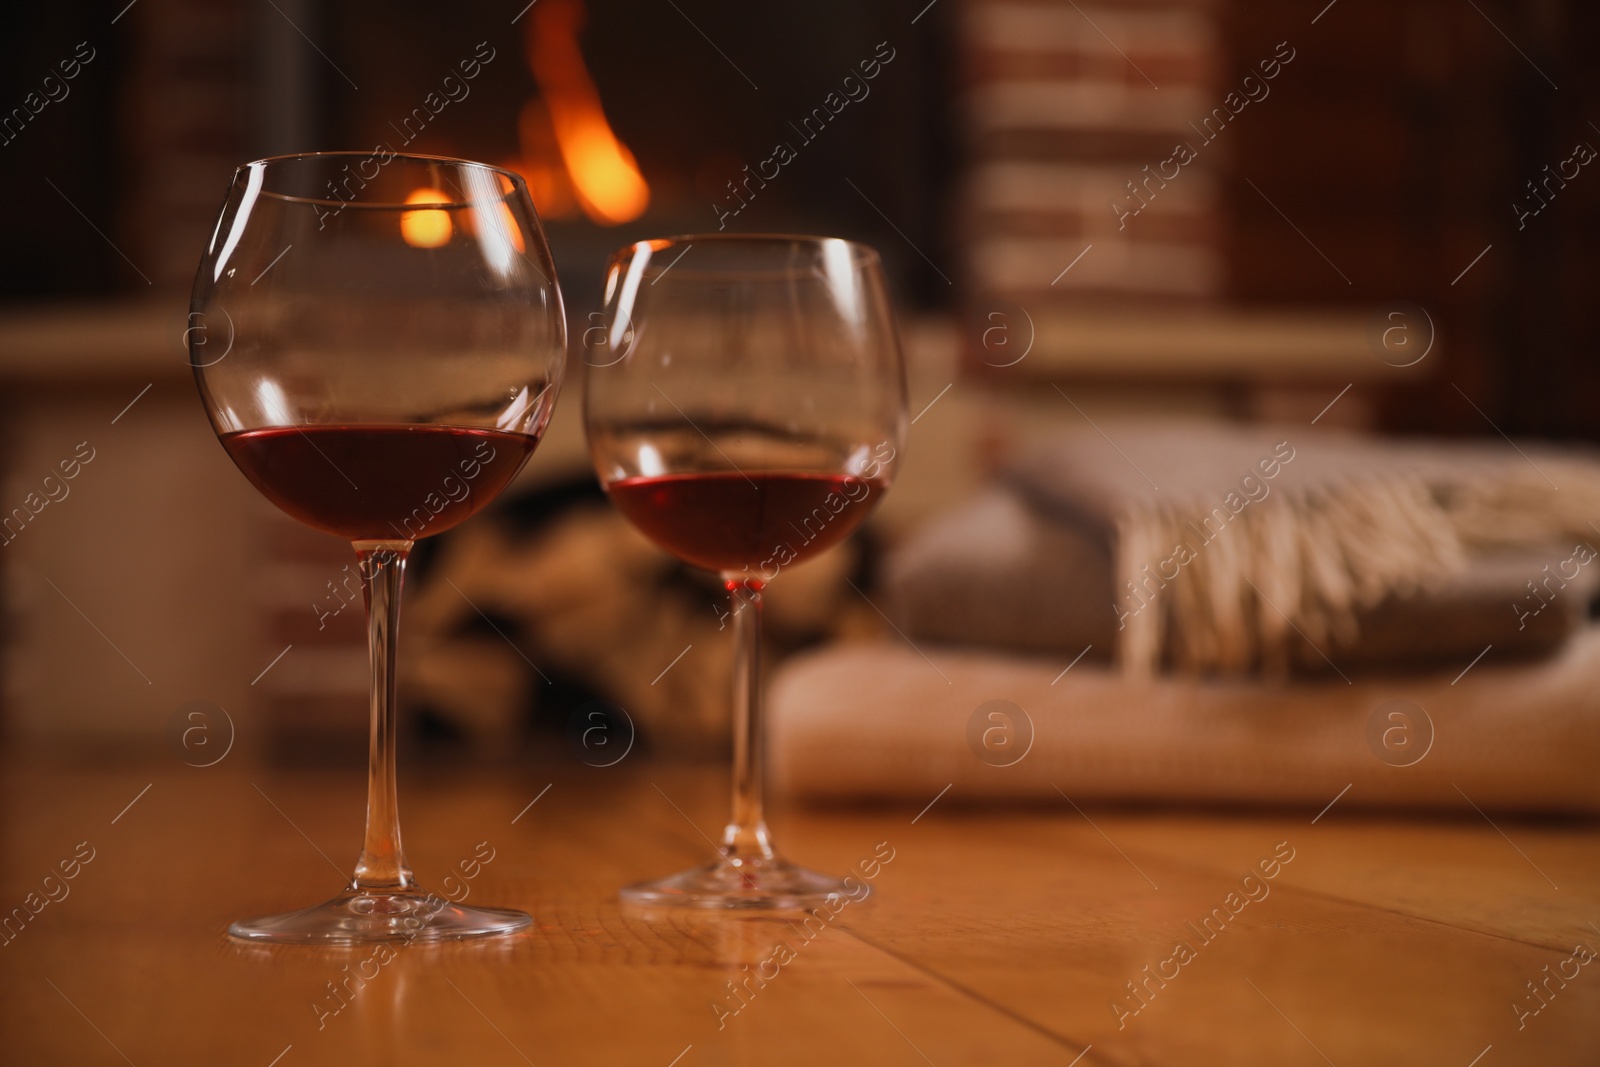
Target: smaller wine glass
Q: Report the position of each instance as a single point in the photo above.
(378, 340)
(746, 412)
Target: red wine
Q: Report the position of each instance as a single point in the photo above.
(379, 483)
(755, 522)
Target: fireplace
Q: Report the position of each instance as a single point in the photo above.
(634, 121)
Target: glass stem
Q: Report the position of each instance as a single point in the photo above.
(746, 837)
(382, 865)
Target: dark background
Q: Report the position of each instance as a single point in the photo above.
(1401, 143)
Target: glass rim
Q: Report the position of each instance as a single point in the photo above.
(862, 255)
(516, 181)
(749, 238)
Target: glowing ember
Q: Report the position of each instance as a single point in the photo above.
(426, 229)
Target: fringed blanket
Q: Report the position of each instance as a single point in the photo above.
(1233, 549)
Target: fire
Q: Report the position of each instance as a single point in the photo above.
(597, 169)
(426, 229)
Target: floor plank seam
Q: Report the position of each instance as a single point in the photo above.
(1322, 894)
(1067, 1043)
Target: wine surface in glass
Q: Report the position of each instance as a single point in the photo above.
(729, 521)
(379, 483)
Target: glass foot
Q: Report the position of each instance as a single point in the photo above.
(774, 883)
(364, 915)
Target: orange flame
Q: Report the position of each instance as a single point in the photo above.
(603, 175)
(541, 164)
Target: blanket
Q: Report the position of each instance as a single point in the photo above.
(1217, 549)
(901, 722)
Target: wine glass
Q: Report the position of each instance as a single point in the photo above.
(378, 340)
(745, 410)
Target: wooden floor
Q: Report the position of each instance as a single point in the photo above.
(991, 937)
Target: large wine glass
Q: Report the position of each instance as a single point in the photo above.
(745, 410)
(378, 340)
